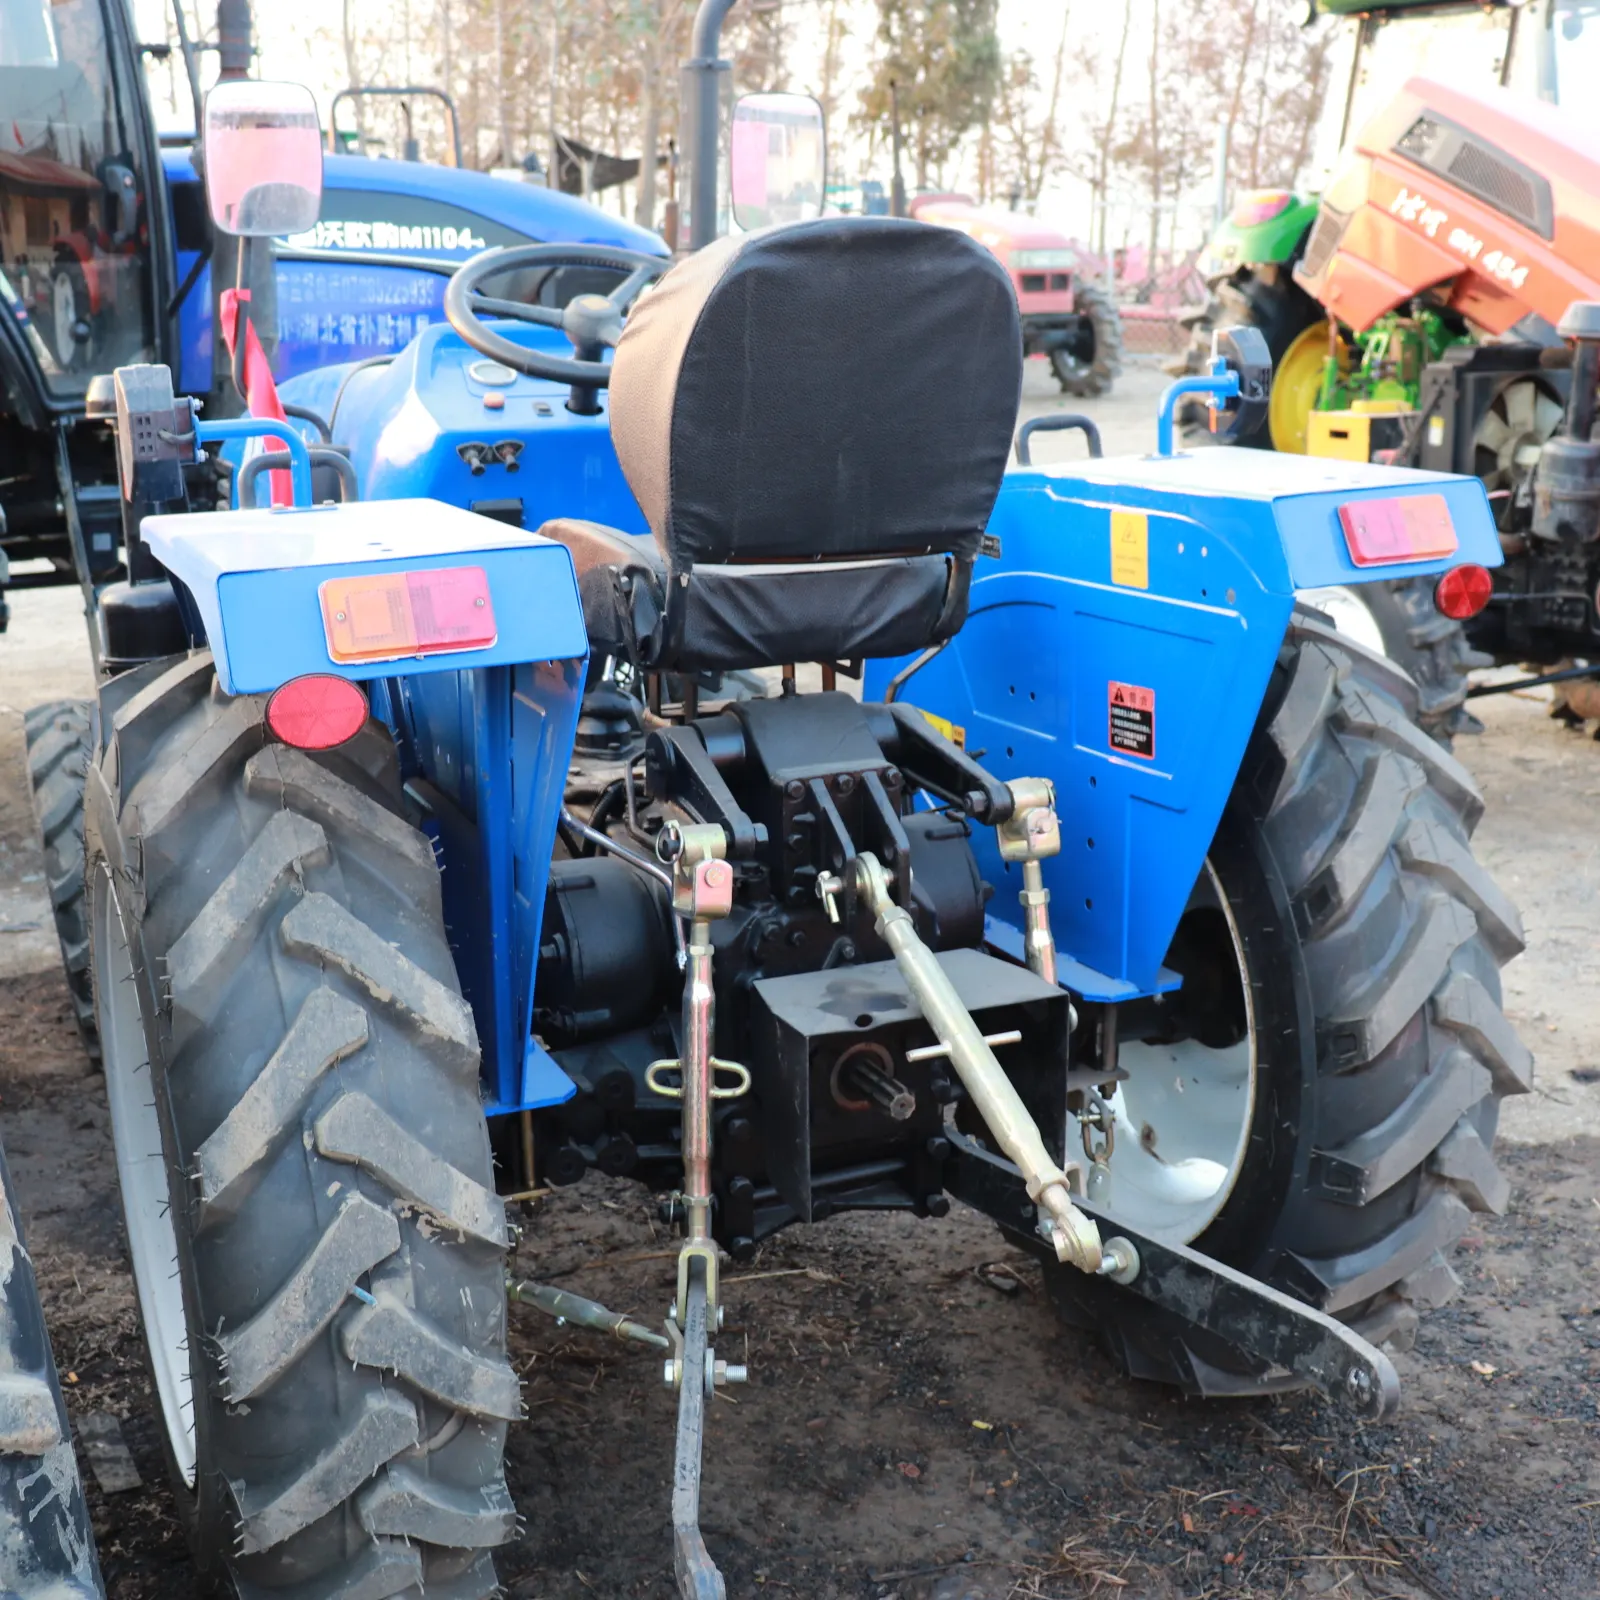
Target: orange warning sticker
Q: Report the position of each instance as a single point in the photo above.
(1132, 720)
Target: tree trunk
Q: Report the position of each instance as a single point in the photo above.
(1236, 100)
(502, 100)
(1049, 139)
(352, 72)
(1103, 169)
(1155, 134)
(649, 127)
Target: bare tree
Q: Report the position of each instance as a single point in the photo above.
(1029, 118)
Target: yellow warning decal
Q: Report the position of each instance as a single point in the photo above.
(1130, 549)
(956, 734)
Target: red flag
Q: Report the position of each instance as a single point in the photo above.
(260, 390)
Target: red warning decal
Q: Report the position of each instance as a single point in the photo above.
(1133, 720)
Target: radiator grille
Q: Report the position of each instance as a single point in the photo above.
(1476, 167)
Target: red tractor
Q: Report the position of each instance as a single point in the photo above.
(1065, 315)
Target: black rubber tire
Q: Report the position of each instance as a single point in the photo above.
(1431, 648)
(58, 737)
(1279, 309)
(315, 1075)
(1088, 378)
(1373, 942)
(48, 1546)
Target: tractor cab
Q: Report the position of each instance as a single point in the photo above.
(85, 271)
(77, 214)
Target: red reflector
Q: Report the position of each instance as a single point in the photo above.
(381, 616)
(1408, 527)
(1463, 591)
(317, 712)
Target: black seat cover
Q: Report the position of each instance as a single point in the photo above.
(815, 420)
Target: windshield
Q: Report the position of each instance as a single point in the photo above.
(1465, 47)
(1575, 35)
(74, 230)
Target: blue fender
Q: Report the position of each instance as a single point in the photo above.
(1121, 646)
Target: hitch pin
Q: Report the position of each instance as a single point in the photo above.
(932, 1052)
(581, 1313)
(829, 887)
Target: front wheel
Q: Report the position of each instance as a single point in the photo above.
(1089, 367)
(305, 1170)
(58, 738)
(1317, 1104)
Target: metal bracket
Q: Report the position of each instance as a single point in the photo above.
(1070, 1233)
(1267, 1325)
(1029, 835)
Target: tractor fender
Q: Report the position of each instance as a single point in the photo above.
(1121, 646)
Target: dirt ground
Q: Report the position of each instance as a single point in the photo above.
(916, 1424)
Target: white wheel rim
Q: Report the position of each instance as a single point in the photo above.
(1348, 612)
(1183, 1120)
(142, 1173)
(64, 308)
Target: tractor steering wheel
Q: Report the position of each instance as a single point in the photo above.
(593, 322)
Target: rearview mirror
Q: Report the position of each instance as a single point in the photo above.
(778, 159)
(263, 158)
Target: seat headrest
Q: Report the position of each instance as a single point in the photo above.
(838, 388)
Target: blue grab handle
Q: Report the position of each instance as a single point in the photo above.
(1221, 381)
(267, 428)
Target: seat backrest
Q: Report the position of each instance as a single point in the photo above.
(830, 390)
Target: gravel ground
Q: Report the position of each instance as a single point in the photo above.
(916, 1425)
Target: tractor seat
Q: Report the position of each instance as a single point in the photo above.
(814, 420)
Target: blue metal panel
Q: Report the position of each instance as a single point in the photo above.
(1305, 494)
(255, 576)
(494, 747)
(405, 424)
(1228, 537)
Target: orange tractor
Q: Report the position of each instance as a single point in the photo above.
(1066, 316)
(1481, 207)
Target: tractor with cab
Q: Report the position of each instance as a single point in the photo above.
(1430, 309)
(1120, 899)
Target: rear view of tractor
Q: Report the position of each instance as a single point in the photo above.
(1066, 316)
(427, 869)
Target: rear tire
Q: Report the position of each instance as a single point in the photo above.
(58, 737)
(304, 1161)
(1428, 646)
(1091, 375)
(1371, 941)
(47, 1552)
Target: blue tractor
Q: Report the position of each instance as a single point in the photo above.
(1124, 900)
(106, 254)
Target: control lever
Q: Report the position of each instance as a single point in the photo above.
(702, 890)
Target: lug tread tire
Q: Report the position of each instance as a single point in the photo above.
(1095, 380)
(1431, 648)
(47, 1552)
(58, 738)
(1376, 1147)
(340, 1231)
